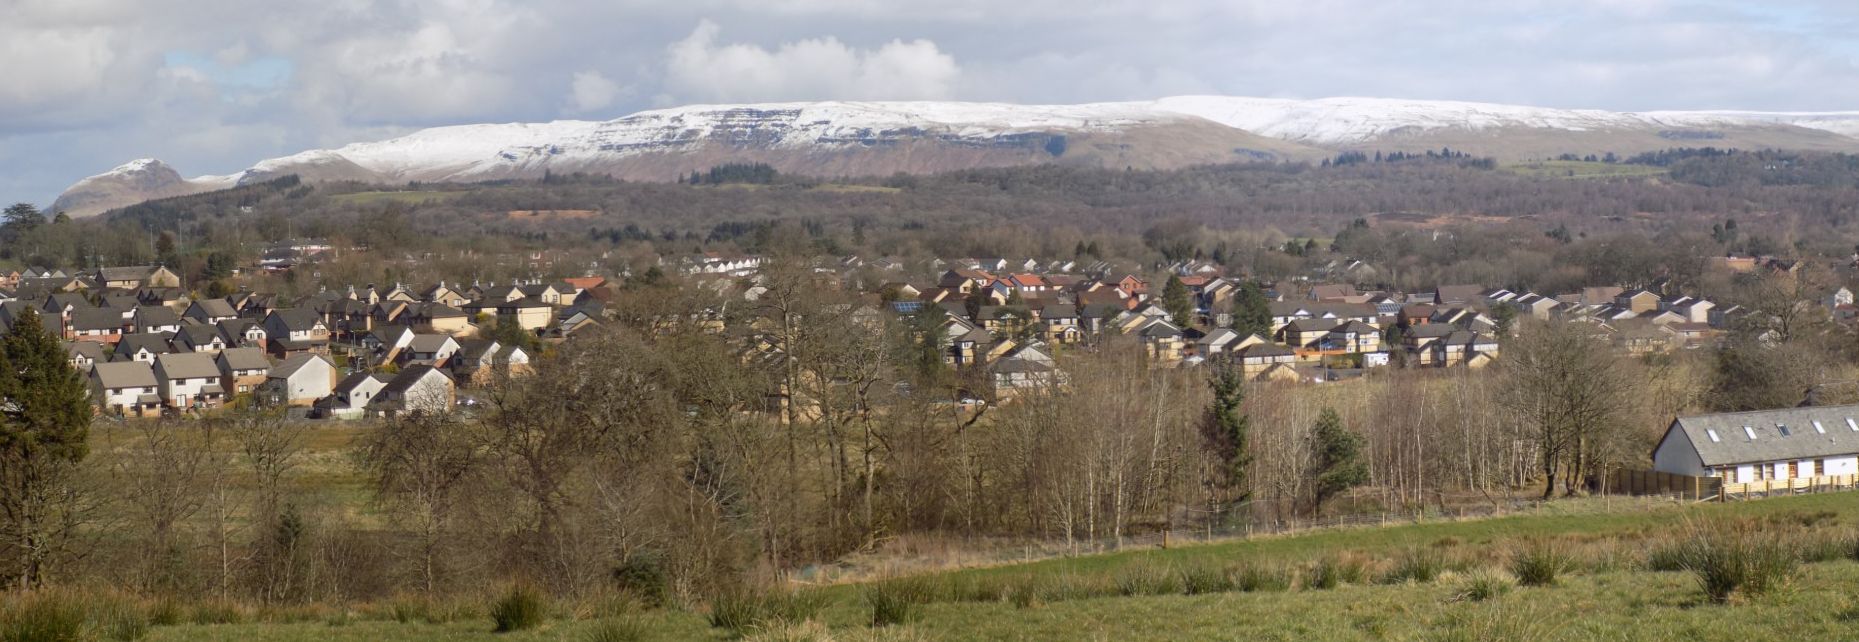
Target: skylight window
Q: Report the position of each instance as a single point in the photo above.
(1850, 424)
(1751, 432)
(1819, 428)
(1713, 433)
(1783, 430)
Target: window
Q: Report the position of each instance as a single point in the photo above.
(1751, 432)
(1713, 434)
(1818, 428)
(1820, 467)
(1852, 425)
(1783, 430)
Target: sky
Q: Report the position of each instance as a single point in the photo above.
(212, 86)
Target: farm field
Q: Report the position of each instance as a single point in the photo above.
(1328, 585)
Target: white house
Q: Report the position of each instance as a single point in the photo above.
(189, 380)
(418, 388)
(126, 388)
(1743, 447)
(301, 380)
(351, 397)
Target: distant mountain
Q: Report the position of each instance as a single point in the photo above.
(881, 138)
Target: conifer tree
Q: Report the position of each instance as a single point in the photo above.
(1176, 301)
(1252, 314)
(44, 427)
(1336, 462)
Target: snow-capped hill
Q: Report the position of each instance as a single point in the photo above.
(837, 138)
(1342, 121)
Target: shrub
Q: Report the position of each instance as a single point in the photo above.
(1027, 593)
(519, 609)
(1666, 558)
(217, 612)
(643, 575)
(740, 610)
(1144, 579)
(120, 621)
(1419, 564)
(1481, 585)
(1257, 578)
(165, 613)
(1731, 558)
(42, 617)
(896, 602)
(1331, 571)
(615, 630)
(1539, 562)
(1203, 580)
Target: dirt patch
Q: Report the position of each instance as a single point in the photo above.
(550, 215)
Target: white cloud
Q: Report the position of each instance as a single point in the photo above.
(592, 91)
(699, 69)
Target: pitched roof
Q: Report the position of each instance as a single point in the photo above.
(244, 359)
(428, 342)
(1264, 350)
(187, 365)
(215, 308)
(1838, 434)
(96, 319)
(296, 362)
(124, 374)
(154, 342)
(297, 319)
(405, 380)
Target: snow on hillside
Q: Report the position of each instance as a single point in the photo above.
(467, 152)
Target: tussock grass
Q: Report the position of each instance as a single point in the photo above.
(1539, 562)
(616, 630)
(1418, 564)
(521, 608)
(742, 610)
(1147, 579)
(1204, 580)
(896, 602)
(1731, 558)
(42, 617)
(1331, 571)
(1482, 585)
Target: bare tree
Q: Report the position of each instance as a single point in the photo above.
(1573, 394)
(422, 465)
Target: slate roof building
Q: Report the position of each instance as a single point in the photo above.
(1743, 447)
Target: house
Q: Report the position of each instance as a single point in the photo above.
(150, 318)
(295, 331)
(210, 311)
(475, 362)
(1027, 366)
(1764, 445)
(1353, 337)
(1217, 341)
(96, 325)
(443, 295)
(416, 389)
(300, 380)
(351, 397)
(195, 337)
(126, 388)
(1163, 340)
(437, 317)
(189, 380)
(1638, 301)
(1457, 294)
(137, 277)
(243, 333)
(1254, 360)
(1463, 348)
(429, 349)
(242, 370)
(84, 354)
(143, 347)
(528, 313)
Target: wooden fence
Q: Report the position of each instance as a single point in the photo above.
(1652, 482)
(1797, 486)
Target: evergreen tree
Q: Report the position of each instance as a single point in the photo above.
(44, 425)
(1176, 301)
(1227, 432)
(1252, 314)
(1336, 462)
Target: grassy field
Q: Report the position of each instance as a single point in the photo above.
(1613, 588)
(1581, 169)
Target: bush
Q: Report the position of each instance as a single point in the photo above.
(1732, 558)
(896, 602)
(521, 608)
(1538, 563)
(643, 575)
(121, 622)
(740, 610)
(616, 630)
(1027, 593)
(1144, 579)
(1331, 571)
(1482, 585)
(1257, 578)
(1203, 580)
(1419, 564)
(42, 618)
(165, 613)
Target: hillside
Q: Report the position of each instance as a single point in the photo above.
(830, 139)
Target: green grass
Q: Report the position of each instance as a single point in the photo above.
(1431, 581)
(1582, 169)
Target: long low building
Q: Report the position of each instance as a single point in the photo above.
(1744, 447)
